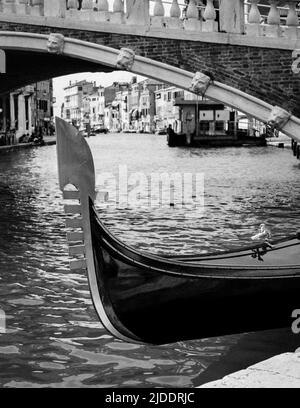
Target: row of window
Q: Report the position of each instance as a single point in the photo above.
(43, 105)
(204, 125)
(170, 96)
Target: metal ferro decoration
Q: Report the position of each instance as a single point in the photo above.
(200, 83)
(56, 43)
(125, 59)
(278, 118)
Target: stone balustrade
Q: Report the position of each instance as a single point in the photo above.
(156, 14)
(282, 19)
(277, 19)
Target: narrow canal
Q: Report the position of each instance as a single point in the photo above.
(53, 336)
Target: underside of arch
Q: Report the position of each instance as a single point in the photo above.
(38, 66)
(81, 56)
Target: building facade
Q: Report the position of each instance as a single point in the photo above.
(133, 108)
(76, 108)
(42, 106)
(26, 111)
(147, 106)
(96, 108)
(89, 107)
(134, 105)
(109, 97)
(166, 113)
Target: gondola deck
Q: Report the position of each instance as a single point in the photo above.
(142, 297)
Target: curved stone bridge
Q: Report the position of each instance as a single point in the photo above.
(236, 43)
(111, 59)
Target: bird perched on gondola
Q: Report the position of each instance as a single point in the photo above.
(264, 234)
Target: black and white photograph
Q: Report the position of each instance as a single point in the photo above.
(150, 197)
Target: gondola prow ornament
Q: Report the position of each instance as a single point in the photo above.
(76, 168)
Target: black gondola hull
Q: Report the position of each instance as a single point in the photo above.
(161, 308)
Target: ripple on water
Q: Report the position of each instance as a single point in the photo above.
(26, 302)
(51, 365)
(9, 350)
(171, 381)
(53, 335)
(123, 346)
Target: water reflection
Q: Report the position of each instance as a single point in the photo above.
(54, 337)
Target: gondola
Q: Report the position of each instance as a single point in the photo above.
(145, 298)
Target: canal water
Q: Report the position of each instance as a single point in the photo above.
(53, 337)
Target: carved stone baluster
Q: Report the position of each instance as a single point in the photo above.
(9, 6)
(37, 8)
(117, 15)
(55, 8)
(102, 5)
(210, 24)
(118, 6)
(102, 14)
(274, 15)
(232, 16)
(87, 5)
(273, 28)
(175, 13)
(292, 22)
(192, 21)
(159, 9)
(292, 18)
(86, 12)
(21, 7)
(254, 14)
(158, 19)
(73, 11)
(72, 4)
(254, 27)
(175, 9)
(137, 12)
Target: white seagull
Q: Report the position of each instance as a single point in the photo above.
(264, 233)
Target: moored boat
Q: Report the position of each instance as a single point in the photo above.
(147, 298)
(210, 124)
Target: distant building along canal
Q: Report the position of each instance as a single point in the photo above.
(26, 111)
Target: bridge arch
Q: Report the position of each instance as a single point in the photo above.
(99, 57)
